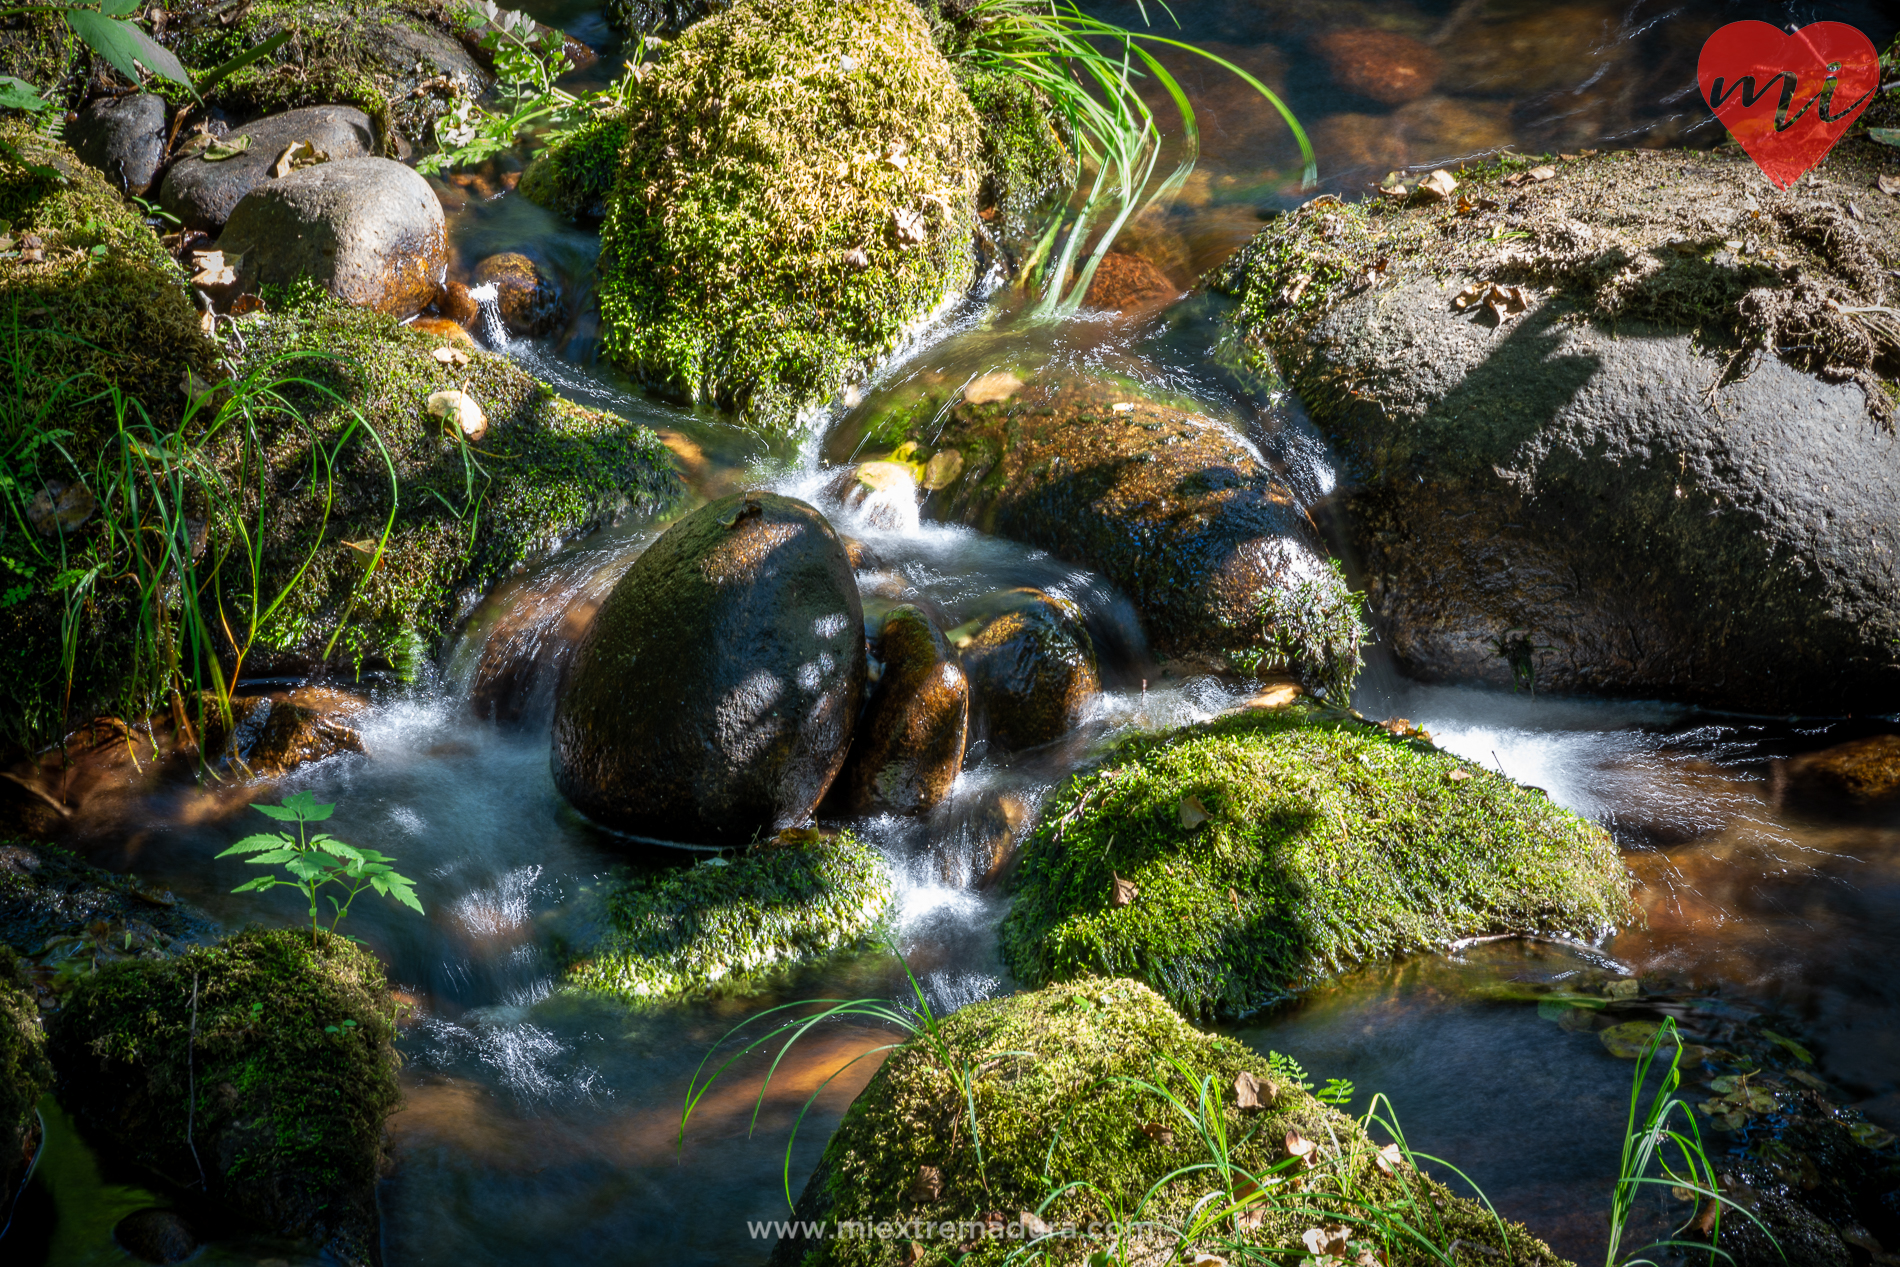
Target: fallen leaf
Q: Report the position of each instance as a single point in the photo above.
(1458, 776)
(1192, 813)
(1159, 1132)
(1235, 899)
(1854, 210)
(246, 303)
(928, 1185)
(1251, 1093)
(1297, 1145)
(1438, 186)
(1568, 158)
(909, 227)
(1124, 892)
(913, 1253)
(450, 356)
(363, 552)
(858, 258)
(1888, 185)
(229, 147)
(1794, 1049)
(1032, 1225)
(1388, 1159)
(1291, 295)
(1330, 1239)
(1207, 1260)
(1249, 1194)
(460, 410)
(297, 154)
(1886, 136)
(1542, 173)
(992, 388)
(1469, 295)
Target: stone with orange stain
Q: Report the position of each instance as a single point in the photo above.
(1388, 67)
(442, 328)
(1129, 284)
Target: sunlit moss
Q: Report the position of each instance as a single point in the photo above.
(1326, 843)
(25, 1074)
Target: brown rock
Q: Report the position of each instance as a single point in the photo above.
(1429, 130)
(996, 833)
(453, 302)
(1032, 671)
(279, 732)
(1383, 65)
(1129, 284)
(448, 331)
(1861, 771)
(910, 739)
(528, 305)
(156, 1236)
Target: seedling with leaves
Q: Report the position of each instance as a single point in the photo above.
(318, 861)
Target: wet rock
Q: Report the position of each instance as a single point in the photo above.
(909, 743)
(1582, 486)
(1859, 772)
(156, 1236)
(882, 494)
(659, 17)
(288, 1127)
(451, 334)
(1032, 671)
(715, 693)
(528, 304)
(1165, 501)
(48, 892)
(1128, 283)
(204, 194)
(124, 137)
(273, 735)
(1384, 65)
(995, 833)
(453, 303)
(368, 230)
(1429, 130)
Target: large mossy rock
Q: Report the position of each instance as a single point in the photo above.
(1267, 850)
(293, 1066)
(797, 191)
(1057, 1101)
(25, 1074)
(714, 696)
(724, 926)
(1167, 502)
(107, 308)
(1662, 462)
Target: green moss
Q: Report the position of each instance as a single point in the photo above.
(575, 173)
(758, 251)
(1025, 160)
(24, 1072)
(722, 928)
(1052, 1107)
(288, 1118)
(1327, 843)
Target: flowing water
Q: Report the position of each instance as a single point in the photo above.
(543, 1127)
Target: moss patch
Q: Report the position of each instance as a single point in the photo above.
(722, 928)
(292, 1062)
(797, 192)
(1327, 843)
(25, 1073)
(47, 892)
(574, 174)
(1049, 1108)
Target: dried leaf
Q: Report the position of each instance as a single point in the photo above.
(363, 552)
(228, 147)
(246, 303)
(460, 410)
(1438, 186)
(1469, 295)
(1192, 812)
(942, 469)
(1297, 1145)
(1542, 173)
(1388, 1159)
(1124, 892)
(297, 154)
(857, 258)
(1251, 1093)
(992, 388)
(450, 356)
(1888, 185)
(928, 1185)
(1330, 1239)
(1458, 776)
(1159, 1132)
(1033, 1226)
(909, 227)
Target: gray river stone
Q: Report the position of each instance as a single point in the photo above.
(124, 137)
(204, 194)
(369, 230)
(715, 694)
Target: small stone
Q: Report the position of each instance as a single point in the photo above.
(992, 388)
(454, 303)
(124, 137)
(450, 356)
(528, 304)
(442, 328)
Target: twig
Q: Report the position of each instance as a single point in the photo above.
(191, 1085)
(64, 811)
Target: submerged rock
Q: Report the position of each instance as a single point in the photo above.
(124, 137)
(714, 696)
(724, 925)
(1570, 460)
(797, 189)
(1072, 1114)
(293, 1061)
(156, 1236)
(909, 744)
(368, 230)
(273, 734)
(1232, 863)
(1384, 65)
(1032, 671)
(48, 893)
(1859, 772)
(203, 193)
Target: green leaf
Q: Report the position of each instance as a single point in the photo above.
(340, 849)
(305, 803)
(262, 882)
(271, 859)
(1886, 136)
(306, 868)
(277, 812)
(17, 94)
(331, 1029)
(125, 46)
(117, 8)
(249, 55)
(408, 898)
(253, 844)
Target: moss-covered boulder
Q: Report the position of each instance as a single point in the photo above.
(289, 1050)
(724, 925)
(50, 899)
(25, 1073)
(1265, 850)
(798, 190)
(1057, 1101)
(348, 445)
(1626, 426)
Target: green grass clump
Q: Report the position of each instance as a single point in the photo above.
(1069, 1134)
(1326, 843)
(575, 173)
(291, 1061)
(720, 929)
(797, 192)
(24, 1072)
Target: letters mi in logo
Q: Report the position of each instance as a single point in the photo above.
(1787, 97)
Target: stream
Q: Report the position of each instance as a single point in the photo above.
(543, 1127)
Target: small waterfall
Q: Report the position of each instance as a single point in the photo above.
(488, 298)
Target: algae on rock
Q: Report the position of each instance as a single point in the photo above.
(25, 1074)
(290, 1055)
(1325, 843)
(798, 192)
(1054, 1104)
(719, 928)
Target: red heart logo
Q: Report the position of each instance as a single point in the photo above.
(1788, 97)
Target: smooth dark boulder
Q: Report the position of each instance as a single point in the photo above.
(203, 193)
(1032, 671)
(714, 696)
(124, 137)
(156, 1236)
(1598, 438)
(910, 740)
(368, 230)
(1167, 502)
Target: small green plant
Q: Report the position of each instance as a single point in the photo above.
(318, 861)
(1316, 626)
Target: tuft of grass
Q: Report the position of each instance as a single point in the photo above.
(1315, 626)
(1326, 842)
